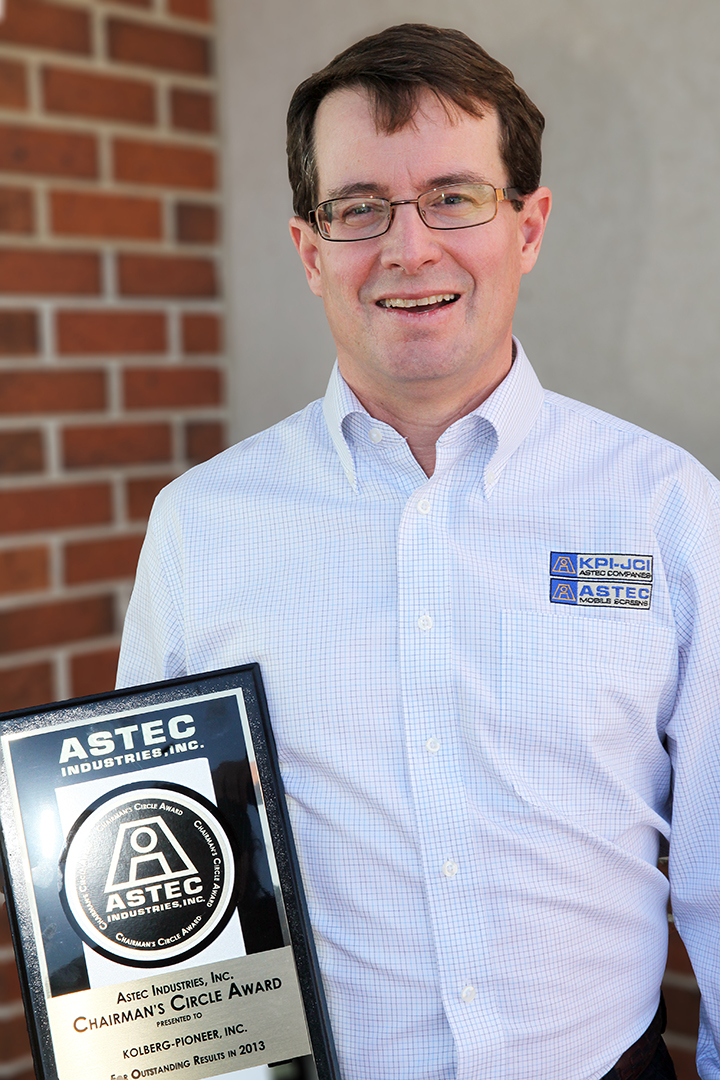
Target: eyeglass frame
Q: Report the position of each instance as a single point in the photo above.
(508, 194)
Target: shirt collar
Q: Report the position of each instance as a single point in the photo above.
(511, 410)
(339, 402)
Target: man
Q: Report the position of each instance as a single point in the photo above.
(486, 616)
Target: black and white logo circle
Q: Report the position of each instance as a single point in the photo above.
(148, 874)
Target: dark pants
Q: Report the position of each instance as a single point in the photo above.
(660, 1068)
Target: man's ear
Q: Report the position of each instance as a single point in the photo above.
(306, 241)
(533, 219)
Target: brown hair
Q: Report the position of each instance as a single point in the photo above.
(393, 67)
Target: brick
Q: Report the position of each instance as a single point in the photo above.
(192, 110)
(9, 982)
(201, 333)
(48, 273)
(13, 85)
(18, 333)
(171, 387)
(196, 223)
(191, 9)
(14, 1039)
(683, 1008)
(58, 507)
(16, 210)
(47, 153)
(116, 444)
(51, 391)
(5, 937)
(83, 213)
(110, 333)
(150, 46)
(9, 985)
(30, 684)
(684, 1062)
(47, 26)
(203, 440)
(102, 560)
(164, 164)
(140, 495)
(23, 569)
(678, 959)
(94, 672)
(21, 452)
(166, 275)
(81, 93)
(55, 623)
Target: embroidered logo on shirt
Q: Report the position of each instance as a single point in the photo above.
(606, 580)
(601, 567)
(582, 593)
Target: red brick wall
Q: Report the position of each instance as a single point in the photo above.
(111, 367)
(111, 380)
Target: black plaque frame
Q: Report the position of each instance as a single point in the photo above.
(26, 778)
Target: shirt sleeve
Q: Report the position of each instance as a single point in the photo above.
(153, 641)
(694, 747)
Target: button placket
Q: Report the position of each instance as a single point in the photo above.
(425, 611)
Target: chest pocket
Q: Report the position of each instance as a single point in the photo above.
(582, 701)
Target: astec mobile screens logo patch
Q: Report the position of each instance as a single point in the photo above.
(148, 874)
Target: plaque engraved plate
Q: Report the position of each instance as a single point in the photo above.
(215, 1019)
(154, 894)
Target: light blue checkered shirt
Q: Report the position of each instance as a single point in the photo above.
(476, 774)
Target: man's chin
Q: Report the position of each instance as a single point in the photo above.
(413, 366)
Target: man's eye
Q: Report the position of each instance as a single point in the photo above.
(452, 200)
(359, 211)
(456, 201)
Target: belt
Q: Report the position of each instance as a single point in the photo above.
(635, 1060)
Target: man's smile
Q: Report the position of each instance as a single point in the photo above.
(427, 303)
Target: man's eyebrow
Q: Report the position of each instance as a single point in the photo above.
(354, 187)
(347, 191)
(456, 178)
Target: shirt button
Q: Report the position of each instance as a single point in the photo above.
(468, 994)
(490, 476)
(425, 622)
(432, 745)
(376, 435)
(450, 868)
(423, 506)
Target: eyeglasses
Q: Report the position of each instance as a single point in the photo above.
(457, 206)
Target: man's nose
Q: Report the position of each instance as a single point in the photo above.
(409, 243)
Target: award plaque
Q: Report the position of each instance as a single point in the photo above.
(153, 888)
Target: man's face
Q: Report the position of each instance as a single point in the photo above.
(462, 346)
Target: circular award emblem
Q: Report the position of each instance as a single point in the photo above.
(148, 874)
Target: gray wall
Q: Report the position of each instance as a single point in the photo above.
(621, 310)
